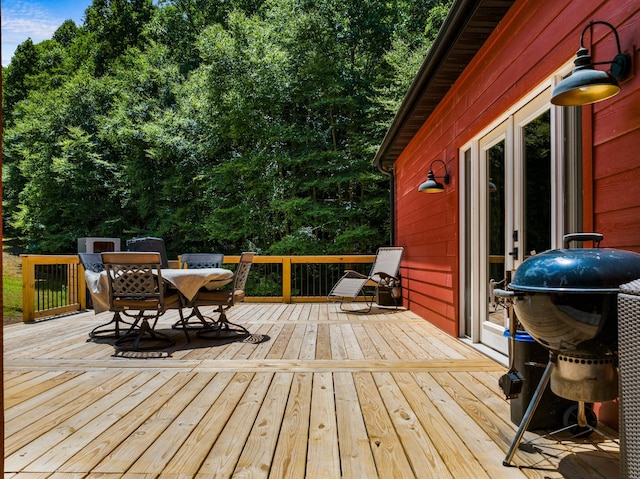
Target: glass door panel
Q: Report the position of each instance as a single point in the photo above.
(496, 185)
(518, 161)
(496, 227)
(537, 181)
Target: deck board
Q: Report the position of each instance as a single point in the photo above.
(329, 394)
(290, 456)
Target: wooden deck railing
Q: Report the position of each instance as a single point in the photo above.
(53, 285)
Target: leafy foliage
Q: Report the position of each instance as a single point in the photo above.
(217, 125)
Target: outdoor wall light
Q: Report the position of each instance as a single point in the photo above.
(431, 185)
(585, 84)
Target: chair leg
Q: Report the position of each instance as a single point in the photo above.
(367, 301)
(222, 325)
(199, 322)
(182, 322)
(104, 331)
(367, 310)
(145, 333)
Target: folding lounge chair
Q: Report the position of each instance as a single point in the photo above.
(384, 274)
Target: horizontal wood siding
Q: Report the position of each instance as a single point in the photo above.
(616, 140)
(534, 39)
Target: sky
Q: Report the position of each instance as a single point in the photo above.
(36, 19)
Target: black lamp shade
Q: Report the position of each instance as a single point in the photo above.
(583, 87)
(431, 185)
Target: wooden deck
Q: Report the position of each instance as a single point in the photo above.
(330, 394)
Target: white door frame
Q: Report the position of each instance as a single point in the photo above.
(473, 261)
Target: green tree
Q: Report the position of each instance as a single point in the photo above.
(142, 90)
(17, 78)
(61, 186)
(218, 125)
(115, 26)
(179, 23)
(66, 33)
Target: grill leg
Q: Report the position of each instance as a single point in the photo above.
(526, 419)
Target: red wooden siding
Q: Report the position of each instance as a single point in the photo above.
(616, 146)
(535, 38)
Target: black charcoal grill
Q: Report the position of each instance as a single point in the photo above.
(566, 299)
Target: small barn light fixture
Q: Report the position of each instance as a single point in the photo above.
(431, 185)
(585, 84)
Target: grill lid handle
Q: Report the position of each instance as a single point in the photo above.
(595, 237)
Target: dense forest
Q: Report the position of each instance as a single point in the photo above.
(218, 125)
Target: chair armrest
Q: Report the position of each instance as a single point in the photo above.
(386, 276)
(349, 273)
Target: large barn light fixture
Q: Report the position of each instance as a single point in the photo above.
(432, 185)
(585, 84)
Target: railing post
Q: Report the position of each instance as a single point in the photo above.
(82, 287)
(286, 279)
(72, 283)
(28, 289)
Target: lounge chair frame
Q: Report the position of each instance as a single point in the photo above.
(383, 275)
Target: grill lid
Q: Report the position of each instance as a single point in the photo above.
(577, 270)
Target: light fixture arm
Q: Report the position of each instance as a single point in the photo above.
(445, 177)
(620, 65)
(601, 22)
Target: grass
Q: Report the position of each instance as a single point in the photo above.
(12, 299)
(54, 293)
(11, 286)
